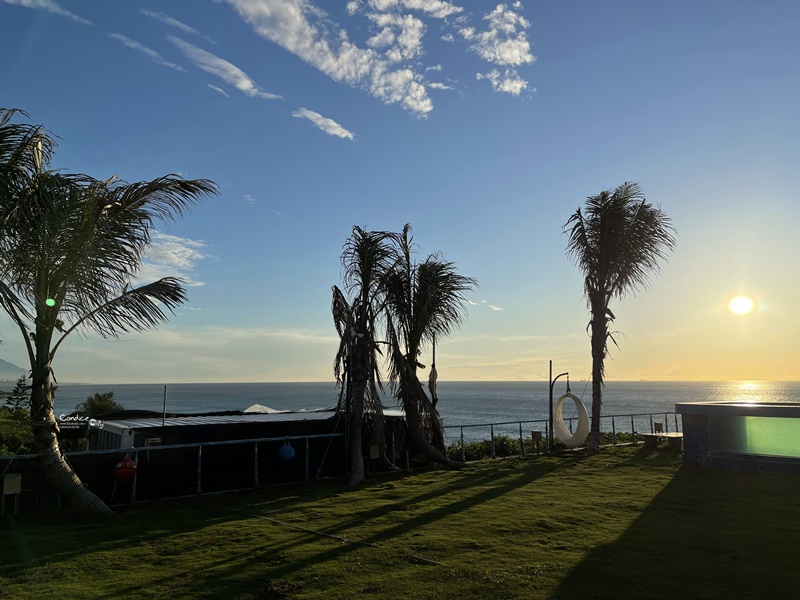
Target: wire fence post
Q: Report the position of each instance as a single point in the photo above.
(613, 431)
(306, 458)
(255, 463)
(547, 437)
(463, 457)
(492, 432)
(199, 469)
(633, 431)
(135, 475)
(521, 441)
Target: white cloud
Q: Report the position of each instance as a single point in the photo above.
(505, 42)
(510, 82)
(439, 86)
(433, 8)
(433, 68)
(51, 7)
(484, 304)
(329, 126)
(151, 54)
(171, 256)
(288, 23)
(448, 37)
(352, 7)
(219, 89)
(401, 33)
(467, 32)
(249, 198)
(166, 19)
(226, 71)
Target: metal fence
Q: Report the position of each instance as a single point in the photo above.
(634, 424)
(186, 469)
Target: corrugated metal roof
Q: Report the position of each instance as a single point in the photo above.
(317, 415)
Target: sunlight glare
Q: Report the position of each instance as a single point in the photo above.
(741, 305)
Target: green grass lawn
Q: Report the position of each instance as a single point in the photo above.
(626, 523)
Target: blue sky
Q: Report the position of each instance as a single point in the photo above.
(484, 125)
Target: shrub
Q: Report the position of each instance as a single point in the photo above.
(99, 404)
(15, 432)
(505, 445)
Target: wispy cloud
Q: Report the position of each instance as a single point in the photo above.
(51, 7)
(151, 54)
(172, 256)
(226, 71)
(485, 304)
(329, 126)
(219, 89)
(249, 198)
(448, 37)
(305, 31)
(439, 86)
(433, 68)
(167, 20)
(215, 336)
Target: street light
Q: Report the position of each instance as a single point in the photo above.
(552, 383)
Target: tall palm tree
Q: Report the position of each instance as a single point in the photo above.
(367, 256)
(425, 302)
(617, 242)
(70, 246)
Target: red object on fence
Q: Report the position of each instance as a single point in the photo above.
(125, 470)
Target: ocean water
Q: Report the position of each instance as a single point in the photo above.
(467, 403)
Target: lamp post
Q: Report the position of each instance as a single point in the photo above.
(552, 383)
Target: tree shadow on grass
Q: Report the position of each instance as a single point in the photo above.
(269, 561)
(707, 534)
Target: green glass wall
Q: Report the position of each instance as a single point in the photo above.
(773, 436)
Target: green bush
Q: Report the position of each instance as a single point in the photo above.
(15, 432)
(99, 404)
(505, 445)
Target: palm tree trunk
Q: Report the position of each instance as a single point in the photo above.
(599, 335)
(360, 375)
(412, 393)
(418, 437)
(58, 473)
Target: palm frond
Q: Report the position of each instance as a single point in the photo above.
(619, 241)
(136, 309)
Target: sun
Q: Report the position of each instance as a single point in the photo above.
(741, 305)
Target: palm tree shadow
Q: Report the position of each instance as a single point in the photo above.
(228, 571)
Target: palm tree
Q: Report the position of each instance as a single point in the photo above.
(617, 242)
(367, 256)
(70, 246)
(425, 302)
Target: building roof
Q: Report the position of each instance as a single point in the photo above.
(195, 420)
(317, 414)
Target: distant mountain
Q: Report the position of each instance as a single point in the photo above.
(10, 370)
